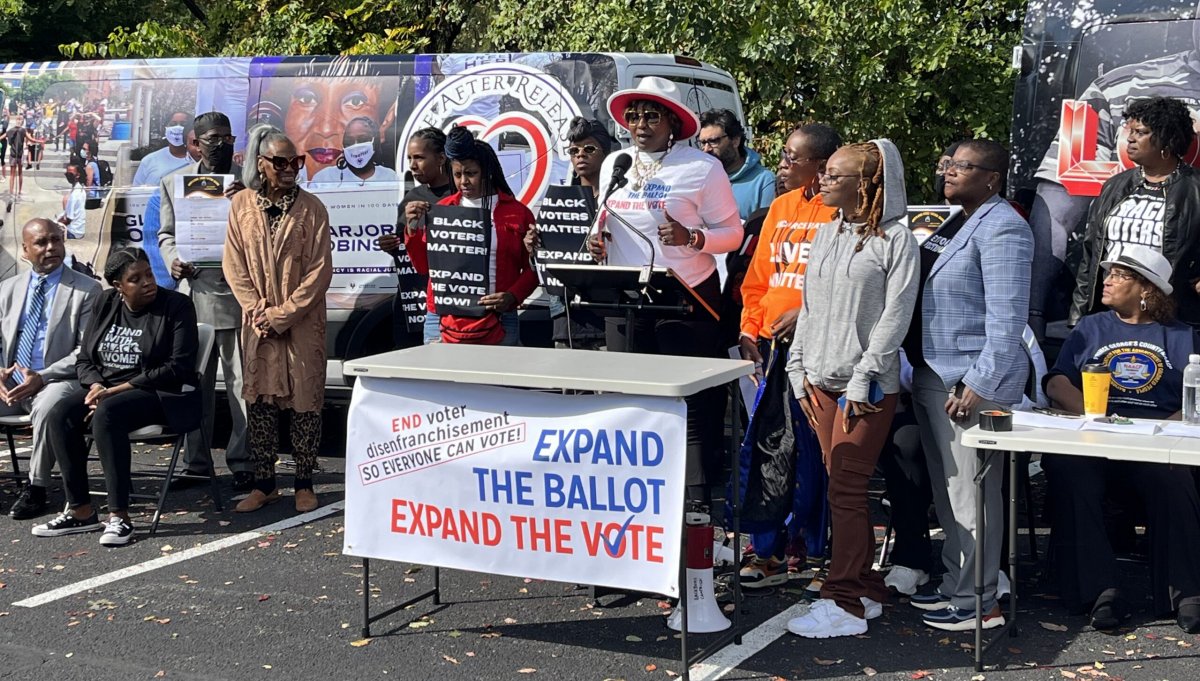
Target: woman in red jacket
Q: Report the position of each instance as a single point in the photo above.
(511, 279)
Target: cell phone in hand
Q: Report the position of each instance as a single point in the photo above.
(874, 396)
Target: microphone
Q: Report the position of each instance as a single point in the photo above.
(621, 166)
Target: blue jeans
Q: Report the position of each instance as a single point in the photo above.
(508, 320)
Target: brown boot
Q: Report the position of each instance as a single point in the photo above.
(256, 500)
(306, 500)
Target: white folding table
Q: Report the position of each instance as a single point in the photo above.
(573, 370)
(1023, 439)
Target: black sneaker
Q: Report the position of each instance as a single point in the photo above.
(66, 524)
(31, 504)
(243, 481)
(117, 532)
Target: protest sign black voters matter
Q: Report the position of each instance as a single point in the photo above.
(459, 242)
(563, 221)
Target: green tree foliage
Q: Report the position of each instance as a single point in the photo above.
(922, 72)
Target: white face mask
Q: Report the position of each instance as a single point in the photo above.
(359, 155)
(174, 135)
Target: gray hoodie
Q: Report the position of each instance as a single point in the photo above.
(857, 306)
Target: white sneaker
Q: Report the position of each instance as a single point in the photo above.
(117, 532)
(826, 619)
(905, 580)
(1003, 586)
(872, 608)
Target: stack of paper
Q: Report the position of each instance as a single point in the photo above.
(1179, 429)
(1138, 427)
(1035, 420)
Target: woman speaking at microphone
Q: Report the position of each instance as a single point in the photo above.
(679, 202)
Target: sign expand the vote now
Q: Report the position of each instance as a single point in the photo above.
(459, 242)
(577, 488)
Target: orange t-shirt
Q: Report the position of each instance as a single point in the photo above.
(774, 282)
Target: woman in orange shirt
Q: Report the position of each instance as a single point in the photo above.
(771, 297)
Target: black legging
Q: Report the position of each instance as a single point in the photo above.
(115, 418)
(908, 490)
(696, 335)
(1084, 561)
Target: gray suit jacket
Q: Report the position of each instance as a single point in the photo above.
(210, 292)
(68, 318)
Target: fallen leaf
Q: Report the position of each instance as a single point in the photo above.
(161, 673)
(1069, 675)
(419, 624)
(633, 639)
(166, 547)
(164, 620)
(920, 674)
(263, 597)
(454, 634)
(361, 642)
(978, 677)
(266, 666)
(526, 670)
(825, 663)
(509, 620)
(1098, 665)
(449, 659)
(491, 634)
(1050, 626)
(869, 671)
(1015, 651)
(651, 667)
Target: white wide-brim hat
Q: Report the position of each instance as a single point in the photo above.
(661, 91)
(1147, 262)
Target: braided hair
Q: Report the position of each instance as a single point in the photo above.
(436, 139)
(461, 145)
(870, 191)
(120, 261)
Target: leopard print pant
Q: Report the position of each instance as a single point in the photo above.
(262, 439)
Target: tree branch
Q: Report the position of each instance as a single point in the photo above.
(195, 9)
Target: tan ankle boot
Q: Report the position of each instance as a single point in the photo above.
(306, 500)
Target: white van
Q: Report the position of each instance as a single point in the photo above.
(521, 103)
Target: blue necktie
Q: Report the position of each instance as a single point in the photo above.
(33, 319)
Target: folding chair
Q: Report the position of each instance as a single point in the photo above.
(10, 425)
(160, 433)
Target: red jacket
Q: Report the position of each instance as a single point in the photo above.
(513, 270)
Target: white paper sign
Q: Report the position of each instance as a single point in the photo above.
(201, 217)
(577, 488)
(357, 218)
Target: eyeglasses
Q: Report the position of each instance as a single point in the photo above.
(711, 141)
(633, 117)
(965, 165)
(214, 140)
(788, 160)
(1118, 276)
(828, 178)
(282, 162)
(585, 150)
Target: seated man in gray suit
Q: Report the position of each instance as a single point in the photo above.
(215, 305)
(42, 317)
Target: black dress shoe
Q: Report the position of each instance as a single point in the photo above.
(1110, 611)
(31, 504)
(243, 481)
(1189, 615)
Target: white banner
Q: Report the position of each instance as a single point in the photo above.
(577, 488)
(362, 274)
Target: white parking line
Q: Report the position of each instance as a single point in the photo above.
(753, 642)
(187, 554)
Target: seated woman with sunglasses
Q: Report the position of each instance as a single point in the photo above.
(680, 203)
(1146, 348)
(481, 185)
(278, 263)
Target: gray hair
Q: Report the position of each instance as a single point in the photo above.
(259, 138)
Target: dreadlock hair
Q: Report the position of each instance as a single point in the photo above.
(461, 145)
(870, 191)
(436, 139)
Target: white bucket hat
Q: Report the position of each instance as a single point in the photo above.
(658, 90)
(1147, 262)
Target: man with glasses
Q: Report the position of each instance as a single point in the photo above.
(722, 136)
(772, 293)
(215, 305)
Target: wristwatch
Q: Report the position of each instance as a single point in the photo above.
(693, 239)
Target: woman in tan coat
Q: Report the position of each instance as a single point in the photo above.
(278, 263)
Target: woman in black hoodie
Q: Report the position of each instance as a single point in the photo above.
(137, 367)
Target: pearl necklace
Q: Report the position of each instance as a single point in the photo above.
(644, 171)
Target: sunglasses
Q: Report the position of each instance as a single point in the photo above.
(585, 150)
(281, 163)
(633, 117)
(214, 140)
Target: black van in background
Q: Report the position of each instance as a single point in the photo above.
(1080, 62)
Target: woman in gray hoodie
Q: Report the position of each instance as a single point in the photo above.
(859, 293)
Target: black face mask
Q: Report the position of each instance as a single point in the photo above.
(939, 188)
(71, 179)
(219, 157)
